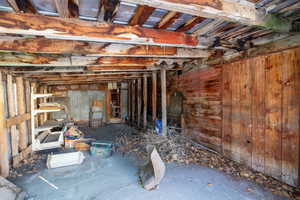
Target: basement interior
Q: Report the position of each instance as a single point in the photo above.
(139, 99)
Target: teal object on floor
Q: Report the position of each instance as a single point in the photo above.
(102, 149)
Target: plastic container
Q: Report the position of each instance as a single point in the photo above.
(102, 149)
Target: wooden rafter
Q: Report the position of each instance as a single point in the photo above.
(168, 20)
(67, 8)
(44, 45)
(72, 29)
(190, 24)
(22, 6)
(62, 8)
(141, 15)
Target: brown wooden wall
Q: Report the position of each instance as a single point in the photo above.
(248, 110)
(261, 113)
(201, 105)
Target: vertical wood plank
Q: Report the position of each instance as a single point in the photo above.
(23, 135)
(145, 100)
(245, 113)
(4, 146)
(154, 96)
(258, 114)
(139, 102)
(227, 109)
(290, 113)
(12, 113)
(164, 101)
(236, 117)
(273, 115)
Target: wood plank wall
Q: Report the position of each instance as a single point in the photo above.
(261, 113)
(248, 110)
(201, 105)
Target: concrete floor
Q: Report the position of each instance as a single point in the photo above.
(116, 178)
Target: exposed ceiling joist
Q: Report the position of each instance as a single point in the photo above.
(168, 20)
(44, 45)
(190, 24)
(72, 29)
(240, 11)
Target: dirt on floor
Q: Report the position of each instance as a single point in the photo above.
(179, 149)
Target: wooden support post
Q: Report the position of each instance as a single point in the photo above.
(108, 105)
(145, 101)
(45, 91)
(164, 101)
(23, 136)
(154, 96)
(133, 100)
(4, 160)
(28, 106)
(12, 113)
(129, 101)
(34, 104)
(139, 101)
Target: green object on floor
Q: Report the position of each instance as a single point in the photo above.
(101, 148)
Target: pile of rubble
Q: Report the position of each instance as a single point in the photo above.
(180, 149)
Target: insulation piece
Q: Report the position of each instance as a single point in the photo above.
(65, 159)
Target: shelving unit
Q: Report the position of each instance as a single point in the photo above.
(40, 140)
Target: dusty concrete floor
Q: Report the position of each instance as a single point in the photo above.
(116, 178)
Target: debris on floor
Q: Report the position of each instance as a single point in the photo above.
(49, 183)
(153, 172)
(65, 159)
(9, 191)
(176, 148)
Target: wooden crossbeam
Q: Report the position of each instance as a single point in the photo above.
(17, 119)
(44, 45)
(73, 29)
(141, 15)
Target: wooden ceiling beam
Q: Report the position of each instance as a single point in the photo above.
(73, 29)
(240, 11)
(44, 45)
(168, 20)
(141, 15)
